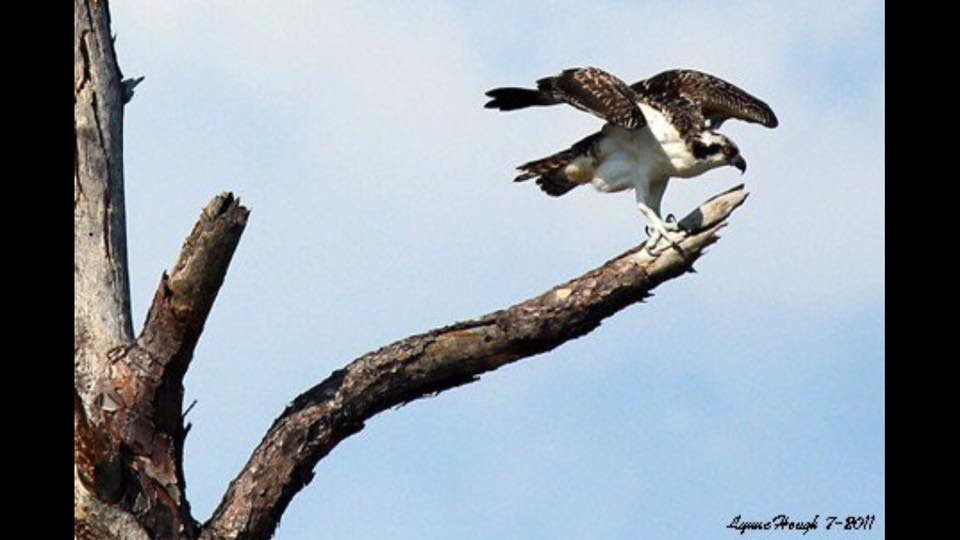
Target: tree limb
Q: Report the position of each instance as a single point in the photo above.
(100, 278)
(142, 399)
(425, 364)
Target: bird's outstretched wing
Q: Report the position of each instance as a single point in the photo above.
(589, 89)
(717, 99)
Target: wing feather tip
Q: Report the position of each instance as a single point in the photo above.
(769, 117)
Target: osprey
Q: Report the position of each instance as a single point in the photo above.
(659, 128)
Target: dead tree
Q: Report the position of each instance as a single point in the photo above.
(128, 399)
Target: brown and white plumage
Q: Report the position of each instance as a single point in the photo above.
(695, 96)
(656, 129)
(549, 170)
(589, 89)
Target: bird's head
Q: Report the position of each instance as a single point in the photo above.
(714, 150)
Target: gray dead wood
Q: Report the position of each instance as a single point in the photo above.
(101, 285)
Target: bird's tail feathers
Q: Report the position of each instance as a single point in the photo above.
(549, 172)
(547, 165)
(510, 99)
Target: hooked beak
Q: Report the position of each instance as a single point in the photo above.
(739, 163)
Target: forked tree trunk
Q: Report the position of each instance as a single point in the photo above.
(128, 400)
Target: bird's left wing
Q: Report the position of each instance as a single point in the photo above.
(717, 99)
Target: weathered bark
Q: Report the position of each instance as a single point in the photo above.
(438, 360)
(101, 286)
(134, 457)
(128, 479)
(128, 399)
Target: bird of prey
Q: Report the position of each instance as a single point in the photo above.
(659, 128)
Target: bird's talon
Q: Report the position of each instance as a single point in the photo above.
(654, 234)
(653, 238)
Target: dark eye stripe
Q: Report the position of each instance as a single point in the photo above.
(701, 150)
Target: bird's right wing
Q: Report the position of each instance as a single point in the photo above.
(717, 99)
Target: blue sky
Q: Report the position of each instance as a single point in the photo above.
(382, 206)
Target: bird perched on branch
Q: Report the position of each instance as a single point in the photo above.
(659, 128)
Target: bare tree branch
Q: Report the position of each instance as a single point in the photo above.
(142, 399)
(101, 284)
(128, 432)
(438, 360)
